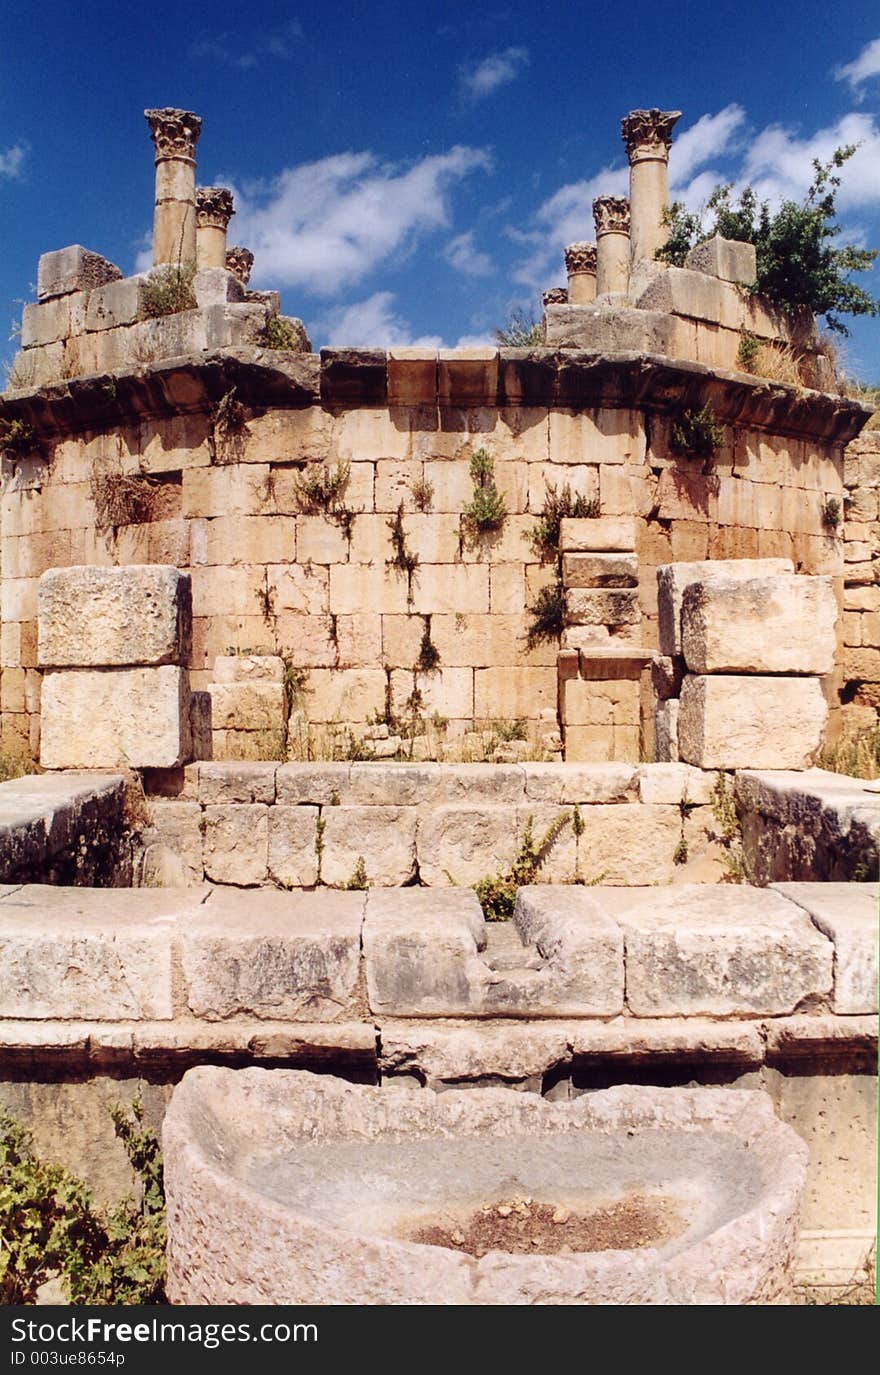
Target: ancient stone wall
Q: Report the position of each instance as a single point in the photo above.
(860, 516)
(217, 467)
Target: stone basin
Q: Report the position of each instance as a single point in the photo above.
(286, 1187)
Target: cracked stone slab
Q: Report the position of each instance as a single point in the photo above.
(849, 915)
(455, 1054)
(267, 954)
(102, 953)
(286, 1187)
(717, 951)
(429, 953)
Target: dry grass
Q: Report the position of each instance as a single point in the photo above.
(124, 499)
(856, 754)
(778, 363)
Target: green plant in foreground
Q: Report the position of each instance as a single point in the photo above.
(358, 883)
(167, 291)
(51, 1225)
(559, 506)
(749, 351)
(321, 488)
(695, 433)
(547, 614)
(497, 892)
(486, 512)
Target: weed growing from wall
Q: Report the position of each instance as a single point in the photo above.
(167, 291)
(486, 512)
(404, 559)
(695, 433)
(497, 892)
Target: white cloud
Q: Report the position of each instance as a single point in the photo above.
(780, 165)
(866, 65)
(481, 79)
(324, 225)
(564, 218)
(227, 49)
(462, 255)
(12, 159)
(371, 323)
(710, 137)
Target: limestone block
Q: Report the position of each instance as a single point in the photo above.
(136, 717)
(356, 588)
(579, 783)
(104, 954)
(847, 914)
(214, 286)
(72, 269)
(429, 954)
(251, 540)
(729, 259)
(717, 951)
(172, 846)
(103, 617)
(351, 694)
(449, 588)
(603, 534)
(324, 783)
(513, 692)
(776, 624)
(412, 376)
(673, 784)
(290, 956)
(293, 854)
(586, 702)
(428, 784)
(598, 743)
(236, 843)
(384, 837)
(248, 668)
(596, 436)
(602, 606)
(249, 706)
(459, 844)
(629, 843)
(237, 782)
(673, 578)
(600, 570)
(299, 587)
(46, 322)
(460, 1054)
(666, 676)
(742, 721)
(118, 303)
(467, 377)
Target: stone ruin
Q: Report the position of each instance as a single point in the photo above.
(267, 645)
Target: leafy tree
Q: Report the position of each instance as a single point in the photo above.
(798, 264)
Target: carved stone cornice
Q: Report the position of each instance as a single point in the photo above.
(611, 214)
(648, 133)
(214, 206)
(239, 262)
(556, 296)
(580, 257)
(175, 133)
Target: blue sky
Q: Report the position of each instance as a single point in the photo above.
(410, 170)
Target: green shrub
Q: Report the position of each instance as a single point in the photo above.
(798, 265)
(695, 433)
(486, 512)
(321, 488)
(422, 493)
(51, 1225)
(749, 351)
(831, 513)
(358, 883)
(17, 438)
(428, 660)
(167, 291)
(522, 330)
(547, 613)
(281, 334)
(497, 892)
(559, 506)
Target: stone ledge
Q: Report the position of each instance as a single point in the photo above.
(569, 378)
(46, 818)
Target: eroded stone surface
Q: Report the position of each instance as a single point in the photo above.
(849, 915)
(717, 951)
(276, 955)
(674, 578)
(769, 624)
(93, 718)
(232, 1239)
(750, 721)
(93, 617)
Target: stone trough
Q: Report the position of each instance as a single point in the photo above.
(286, 1187)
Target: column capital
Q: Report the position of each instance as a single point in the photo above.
(580, 257)
(611, 215)
(174, 132)
(648, 133)
(556, 296)
(239, 262)
(214, 206)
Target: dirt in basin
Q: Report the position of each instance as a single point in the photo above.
(524, 1226)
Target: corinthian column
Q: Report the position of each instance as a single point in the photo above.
(648, 138)
(580, 264)
(214, 210)
(174, 133)
(611, 217)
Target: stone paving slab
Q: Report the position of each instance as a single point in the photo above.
(849, 915)
(705, 950)
(264, 953)
(42, 814)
